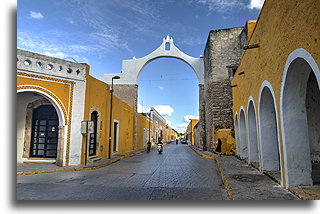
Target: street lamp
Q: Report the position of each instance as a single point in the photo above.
(149, 124)
(110, 129)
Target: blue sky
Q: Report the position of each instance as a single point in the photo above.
(102, 33)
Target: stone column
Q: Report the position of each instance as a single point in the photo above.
(60, 150)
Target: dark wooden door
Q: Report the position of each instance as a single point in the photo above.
(44, 135)
(93, 136)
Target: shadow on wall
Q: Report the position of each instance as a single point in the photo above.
(227, 137)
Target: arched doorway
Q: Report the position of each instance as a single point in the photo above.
(300, 114)
(252, 134)
(268, 132)
(40, 127)
(243, 135)
(238, 143)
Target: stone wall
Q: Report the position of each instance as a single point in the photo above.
(223, 49)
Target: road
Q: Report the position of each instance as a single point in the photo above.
(176, 174)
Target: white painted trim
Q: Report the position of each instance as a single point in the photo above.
(298, 53)
(238, 143)
(246, 135)
(117, 140)
(257, 127)
(50, 98)
(269, 86)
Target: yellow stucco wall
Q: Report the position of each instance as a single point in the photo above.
(98, 98)
(59, 89)
(228, 141)
(124, 114)
(282, 27)
(190, 129)
(142, 124)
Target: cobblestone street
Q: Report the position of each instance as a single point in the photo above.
(177, 174)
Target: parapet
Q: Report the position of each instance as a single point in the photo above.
(45, 65)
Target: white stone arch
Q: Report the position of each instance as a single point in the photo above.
(62, 133)
(295, 124)
(253, 145)
(236, 127)
(52, 100)
(243, 133)
(131, 68)
(268, 129)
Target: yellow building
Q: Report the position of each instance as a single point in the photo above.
(54, 96)
(275, 89)
(190, 133)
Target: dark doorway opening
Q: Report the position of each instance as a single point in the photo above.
(93, 136)
(44, 136)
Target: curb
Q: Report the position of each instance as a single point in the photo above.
(223, 178)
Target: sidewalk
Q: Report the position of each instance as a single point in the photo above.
(244, 182)
(38, 168)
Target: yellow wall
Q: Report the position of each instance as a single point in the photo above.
(228, 141)
(282, 27)
(142, 124)
(57, 88)
(190, 129)
(98, 97)
(125, 115)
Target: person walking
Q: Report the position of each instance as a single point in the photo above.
(218, 148)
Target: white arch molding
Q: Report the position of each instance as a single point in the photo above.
(243, 133)
(236, 126)
(58, 108)
(131, 68)
(270, 154)
(295, 130)
(61, 150)
(253, 145)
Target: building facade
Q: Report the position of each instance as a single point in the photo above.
(276, 98)
(190, 132)
(54, 96)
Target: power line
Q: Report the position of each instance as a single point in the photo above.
(169, 79)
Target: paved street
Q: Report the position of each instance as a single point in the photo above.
(177, 174)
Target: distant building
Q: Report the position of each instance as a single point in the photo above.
(190, 133)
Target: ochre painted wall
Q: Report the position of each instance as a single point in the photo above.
(57, 88)
(228, 141)
(98, 98)
(190, 129)
(142, 124)
(282, 27)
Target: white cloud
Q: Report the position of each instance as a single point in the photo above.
(57, 54)
(161, 88)
(181, 128)
(36, 15)
(142, 109)
(52, 48)
(188, 117)
(256, 4)
(220, 5)
(164, 110)
(223, 5)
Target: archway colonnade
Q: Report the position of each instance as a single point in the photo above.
(286, 141)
